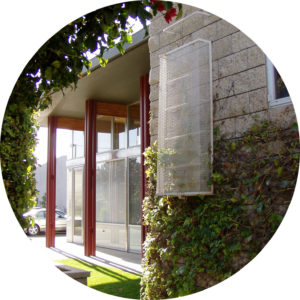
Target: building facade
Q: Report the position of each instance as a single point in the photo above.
(203, 73)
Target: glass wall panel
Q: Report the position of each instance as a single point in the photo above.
(103, 193)
(78, 203)
(134, 130)
(119, 133)
(118, 192)
(69, 205)
(110, 192)
(111, 204)
(185, 128)
(78, 144)
(104, 124)
(135, 190)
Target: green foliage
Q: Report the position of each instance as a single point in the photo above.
(196, 242)
(57, 65)
(108, 280)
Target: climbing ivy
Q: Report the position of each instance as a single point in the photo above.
(196, 242)
(55, 66)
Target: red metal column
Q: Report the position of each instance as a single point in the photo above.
(51, 183)
(90, 179)
(145, 141)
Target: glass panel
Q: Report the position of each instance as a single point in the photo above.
(111, 204)
(110, 192)
(119, 133)
(118, 192)
(102, 193)
(135, 191)
(64, 143)
(134, 130)
(69, 205)
(184, 121)
(78, 202)
(103, 133)
(281, 90)
(78, 144)
(135, 239)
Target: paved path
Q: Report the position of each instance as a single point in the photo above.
(130, 262)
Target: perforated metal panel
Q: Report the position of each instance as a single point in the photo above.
(185, 120)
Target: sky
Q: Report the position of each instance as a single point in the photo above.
(273, 25)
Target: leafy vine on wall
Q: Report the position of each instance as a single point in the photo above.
(196, 242)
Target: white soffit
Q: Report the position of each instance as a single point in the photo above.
(118, 82)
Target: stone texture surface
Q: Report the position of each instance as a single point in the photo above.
(258, 100)
(154, 76)
(238, 69)
(153, 126)
(224, 28)
(245, 122)
(240, 41)
(154, 92)
(221, 48)
(239, 81)
(283, 116)
(232, 107)
(153, 43)
(234, 63)
(207, 33)
(255, 57)
(154, 109)
(226, 127)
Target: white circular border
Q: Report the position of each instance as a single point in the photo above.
(26, 25)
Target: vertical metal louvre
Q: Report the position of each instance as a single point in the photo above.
(185, 120)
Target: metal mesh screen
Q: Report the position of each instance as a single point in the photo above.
(185, 120)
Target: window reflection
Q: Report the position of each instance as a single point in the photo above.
(119, 133)
(103, 133)
(280, 88)
(78, 144)
(134, 131)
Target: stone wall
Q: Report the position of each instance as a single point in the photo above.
(238, 71)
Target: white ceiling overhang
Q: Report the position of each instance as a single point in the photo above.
(118, 82)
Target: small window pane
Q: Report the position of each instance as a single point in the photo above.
(281, 90)
(78, 144)
(119, 133)
(103, 133)
(78, 202)
(102, 193)
(134, 130)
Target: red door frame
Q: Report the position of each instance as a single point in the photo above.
(145, 142)
(51, 183)
(90, 179)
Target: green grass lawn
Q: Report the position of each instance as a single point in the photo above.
(108, 280)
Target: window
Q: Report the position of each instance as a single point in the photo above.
(278, 94)
(104, 127)
(119, 133)
(134, 129)
(78, 144)
(185, 120)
